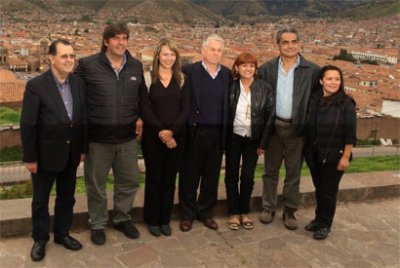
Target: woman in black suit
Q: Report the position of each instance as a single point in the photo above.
(251, 107)
(330, 136)
(164, 110)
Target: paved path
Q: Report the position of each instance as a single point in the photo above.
(365, 234)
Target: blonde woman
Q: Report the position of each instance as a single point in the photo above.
(164, 110)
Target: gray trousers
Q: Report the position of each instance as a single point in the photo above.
(284, 145)
(122, 159)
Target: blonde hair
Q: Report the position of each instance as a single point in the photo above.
(176, 68)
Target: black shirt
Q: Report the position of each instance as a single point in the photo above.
(164, 107)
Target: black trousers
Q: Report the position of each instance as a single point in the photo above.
(240, 147)
(63, 211)
(326, 180)
(162, 166)
(201, 167)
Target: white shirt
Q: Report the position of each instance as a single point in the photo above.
(242, 121)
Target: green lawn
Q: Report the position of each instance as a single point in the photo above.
(9, 116)
(367, 164)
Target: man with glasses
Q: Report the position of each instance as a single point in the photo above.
(292, 78)
(53, 134)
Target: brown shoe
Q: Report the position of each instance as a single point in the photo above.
(210, 223)
(289, 220)
(185, 225)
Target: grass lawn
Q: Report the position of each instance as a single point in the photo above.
(366, 164)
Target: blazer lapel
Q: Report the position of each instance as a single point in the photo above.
(56, 96)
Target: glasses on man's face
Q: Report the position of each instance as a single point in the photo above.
(66, 56)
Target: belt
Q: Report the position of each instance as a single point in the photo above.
(283, 119)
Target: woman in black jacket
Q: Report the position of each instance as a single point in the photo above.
(251, 107)
(164, 110)
(330, 137)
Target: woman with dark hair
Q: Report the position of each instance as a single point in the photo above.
(251, 107)
(164, 110)
(330, 137)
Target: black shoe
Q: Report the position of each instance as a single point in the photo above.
(321, 233)
(127, 229)
(166, 230)
(38, 250)
(154, 230)
(68, 242)
(98, 237)
(312, 226)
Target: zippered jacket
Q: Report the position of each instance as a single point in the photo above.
(112, 100)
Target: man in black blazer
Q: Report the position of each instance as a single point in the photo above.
(209, 83)
(53, 134)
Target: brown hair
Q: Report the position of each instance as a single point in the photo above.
(112, 30)
(176, 68)
(243, 58)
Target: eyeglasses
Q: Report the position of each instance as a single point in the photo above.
(66, 56)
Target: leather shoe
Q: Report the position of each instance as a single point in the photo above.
(154, 230)
(185, 225)
(166, 229)
(68, 242)
(98, 237)
(210, 223)
(321, 233)
(312, 226)
(38, 250)
(128, 229)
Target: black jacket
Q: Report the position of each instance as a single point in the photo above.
(305, 78)
(331, 125)
(193, 73)
(112, 102)
(262, 110)
(48, 136)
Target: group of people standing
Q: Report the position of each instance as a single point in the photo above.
(185, 117)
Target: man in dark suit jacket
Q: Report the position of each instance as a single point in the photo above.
(209, 83)
(53, 134)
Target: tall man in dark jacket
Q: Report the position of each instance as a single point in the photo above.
(209, 83)
(113, 78)
(292, 78)
(54, 141)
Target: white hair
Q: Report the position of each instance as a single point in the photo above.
(214, 37)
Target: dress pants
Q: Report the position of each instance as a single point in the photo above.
(43, 182)
(326, 180)
(240, 147)
(202, 165)
(285, 146)
(162, 165)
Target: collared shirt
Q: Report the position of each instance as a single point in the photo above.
(284, 90)
(213, 76)
(65, 91)
(242, 121)
(117, 71)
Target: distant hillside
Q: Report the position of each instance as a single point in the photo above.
(375, 9)
(192, 11)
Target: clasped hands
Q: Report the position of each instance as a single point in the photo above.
(167, 138)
